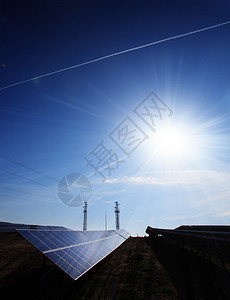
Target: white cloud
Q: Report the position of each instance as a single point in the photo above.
(108, 201)
(223, 214)
(187, 177)
(185, 217)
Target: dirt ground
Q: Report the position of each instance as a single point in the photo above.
(138, 269)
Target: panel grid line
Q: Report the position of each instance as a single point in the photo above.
(68, 247)
(54, 250)
(75, 252)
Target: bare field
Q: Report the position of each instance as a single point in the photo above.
(136, 270)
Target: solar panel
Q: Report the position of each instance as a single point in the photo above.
(75, 252)
(211, 240)
(214, 228)
(210, 234)
(12, 227)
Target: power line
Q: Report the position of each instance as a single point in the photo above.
(14, 174)
(115, 54)
(26, 167)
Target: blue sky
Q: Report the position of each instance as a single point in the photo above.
(53, 123)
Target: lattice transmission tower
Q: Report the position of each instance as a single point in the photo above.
(117, 212)
(85, 216)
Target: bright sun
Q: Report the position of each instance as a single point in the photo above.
(173, 142)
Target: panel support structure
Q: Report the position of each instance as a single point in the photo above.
(75, 252)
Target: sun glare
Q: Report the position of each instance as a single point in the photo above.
(173, 142)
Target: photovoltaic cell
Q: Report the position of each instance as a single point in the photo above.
(12, 227)
(75, 252)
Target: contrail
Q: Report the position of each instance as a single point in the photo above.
(115, 54)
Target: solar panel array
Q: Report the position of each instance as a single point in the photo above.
(210, 228)
(207, 237)
(75, 252)
(12, 227)
(211, 234)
